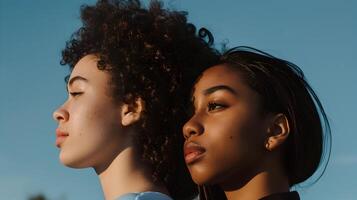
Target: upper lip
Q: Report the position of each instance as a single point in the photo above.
(60, 133)
(190, 147)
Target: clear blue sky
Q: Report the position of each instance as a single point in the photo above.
(319, 36)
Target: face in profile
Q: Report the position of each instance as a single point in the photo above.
(89, 128)
(225, 136)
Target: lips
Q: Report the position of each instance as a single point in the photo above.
(193, 152)
(60, 137)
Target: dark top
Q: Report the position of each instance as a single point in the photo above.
(283, 196)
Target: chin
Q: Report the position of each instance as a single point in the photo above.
(203, 180)
(201, 176)
(71, 161)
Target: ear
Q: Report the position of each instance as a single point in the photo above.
(131, 113)
(278, 131)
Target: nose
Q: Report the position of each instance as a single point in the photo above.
(60, 115)
(192, 127)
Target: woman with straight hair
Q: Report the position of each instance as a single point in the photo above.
(258, 128)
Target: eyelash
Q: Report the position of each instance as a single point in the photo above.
(74, 94)
(212, 106)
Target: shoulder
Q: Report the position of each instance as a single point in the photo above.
(144, 196)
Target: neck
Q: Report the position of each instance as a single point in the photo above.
(268, 181)
(126, 174)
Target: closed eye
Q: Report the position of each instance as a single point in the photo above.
(74, 94)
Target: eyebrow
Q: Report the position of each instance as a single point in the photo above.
(70, 82)
(219, 87)
(76, 78)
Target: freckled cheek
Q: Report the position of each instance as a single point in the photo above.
(84, 119)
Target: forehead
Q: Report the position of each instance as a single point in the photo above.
(86, 66)
(220, 75)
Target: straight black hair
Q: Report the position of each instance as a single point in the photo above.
(283, 89)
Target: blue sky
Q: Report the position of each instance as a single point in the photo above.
(319, 36)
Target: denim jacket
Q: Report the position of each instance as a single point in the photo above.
(144, 196)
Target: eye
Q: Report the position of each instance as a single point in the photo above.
(74, 94)
(213, 106)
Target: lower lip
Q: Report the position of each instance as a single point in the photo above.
(60, 140)
(193, 157)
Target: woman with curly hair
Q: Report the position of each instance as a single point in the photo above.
(132, 69)
(257, 130)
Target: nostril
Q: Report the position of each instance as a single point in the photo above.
(56, 116)
(192, 132)
(60, 115)
(189, 131)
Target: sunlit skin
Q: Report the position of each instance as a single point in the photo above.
(231, 141)
(94, 131)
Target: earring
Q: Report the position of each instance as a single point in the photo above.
(267, 145)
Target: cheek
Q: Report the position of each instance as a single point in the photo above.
(232, 145)
(238, 138)
(98, 123)
(94, 137)
(95, 117)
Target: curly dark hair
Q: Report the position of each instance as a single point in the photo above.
(153, 54)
